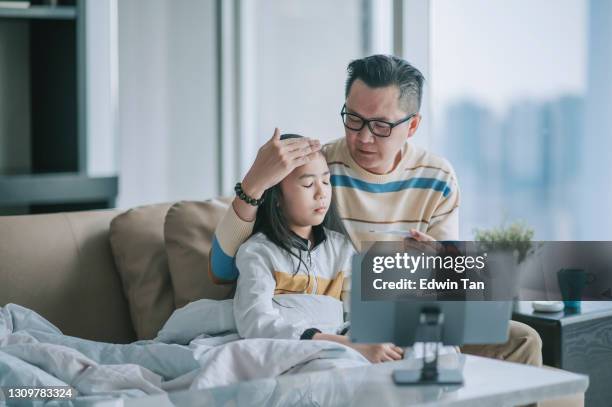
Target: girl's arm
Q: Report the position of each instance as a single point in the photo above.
(254, 312)
(346, 265)
(374, 352)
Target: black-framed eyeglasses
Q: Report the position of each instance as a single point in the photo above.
(379, 128)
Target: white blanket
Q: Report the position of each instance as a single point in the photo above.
(33, 352)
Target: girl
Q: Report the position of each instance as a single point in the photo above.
(294, 271)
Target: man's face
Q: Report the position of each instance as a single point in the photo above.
(377, 154)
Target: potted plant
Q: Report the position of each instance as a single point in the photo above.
(515, 238)
(506, 247)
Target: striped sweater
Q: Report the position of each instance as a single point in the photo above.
(421, 193)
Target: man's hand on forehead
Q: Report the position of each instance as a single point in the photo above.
(301, 142)
(302, 146)
(276, 159)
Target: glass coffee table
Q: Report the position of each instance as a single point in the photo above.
(488, 382)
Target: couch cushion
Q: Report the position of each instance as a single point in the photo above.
(137, 240)
(61, 266)
(188, 233)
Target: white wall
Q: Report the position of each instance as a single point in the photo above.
(101, 86)
(167, 103)
(301, 53)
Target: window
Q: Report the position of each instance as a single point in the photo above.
(509, 91)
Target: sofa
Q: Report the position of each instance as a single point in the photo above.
(61, 265)
(115, 275)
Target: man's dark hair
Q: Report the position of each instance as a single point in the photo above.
(379, 71)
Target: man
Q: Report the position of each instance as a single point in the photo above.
(382, 183)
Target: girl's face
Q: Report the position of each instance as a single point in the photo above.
(306, 194)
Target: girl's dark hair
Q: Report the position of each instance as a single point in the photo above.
(272, 223)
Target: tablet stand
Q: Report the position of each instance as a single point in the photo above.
(430, 331)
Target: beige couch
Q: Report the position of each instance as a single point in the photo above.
(62, 266)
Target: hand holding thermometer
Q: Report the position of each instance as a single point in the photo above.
(412, 233)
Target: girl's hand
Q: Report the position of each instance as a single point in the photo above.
(378, 352)
(374, 352)
(275, 160)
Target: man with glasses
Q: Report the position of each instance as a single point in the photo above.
(385, 187)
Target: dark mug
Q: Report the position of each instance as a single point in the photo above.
(571, 283)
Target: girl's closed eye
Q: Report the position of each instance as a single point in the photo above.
(309, 185)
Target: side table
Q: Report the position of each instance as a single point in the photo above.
(579, 341)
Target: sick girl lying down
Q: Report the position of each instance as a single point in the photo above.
(294, 271)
